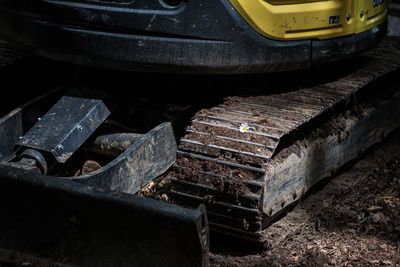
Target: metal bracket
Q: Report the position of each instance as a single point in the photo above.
(64, 128)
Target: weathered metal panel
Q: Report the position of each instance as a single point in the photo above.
(64, 128)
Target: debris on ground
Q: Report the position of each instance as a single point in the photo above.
(352, 220)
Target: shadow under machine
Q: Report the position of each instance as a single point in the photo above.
(222, 174)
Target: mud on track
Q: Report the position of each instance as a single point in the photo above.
(351, 220)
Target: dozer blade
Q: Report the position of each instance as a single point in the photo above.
(94, 219)
(75, 224)
(249, 158)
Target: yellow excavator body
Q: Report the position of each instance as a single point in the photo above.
(287, 20)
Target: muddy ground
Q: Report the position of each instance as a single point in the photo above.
(350, 220)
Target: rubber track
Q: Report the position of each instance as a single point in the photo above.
(224, 168)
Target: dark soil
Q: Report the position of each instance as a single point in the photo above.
(197, 172)
(353, 220)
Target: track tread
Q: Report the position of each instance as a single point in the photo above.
(214, 137)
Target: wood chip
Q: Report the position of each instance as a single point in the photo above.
(90, 166)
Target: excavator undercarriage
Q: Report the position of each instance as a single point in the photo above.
(104, 170)
(238, 163)
(249, 158)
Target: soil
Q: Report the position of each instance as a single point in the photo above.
(350, 220)
(197, 172)
(157, 189)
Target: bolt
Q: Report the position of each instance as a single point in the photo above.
(39, 119)
(61, 147)
(79, 127)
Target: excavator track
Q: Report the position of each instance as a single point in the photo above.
(226, 150)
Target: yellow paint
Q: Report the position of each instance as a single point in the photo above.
(298, 19)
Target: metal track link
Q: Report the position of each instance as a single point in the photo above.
(222, 157)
